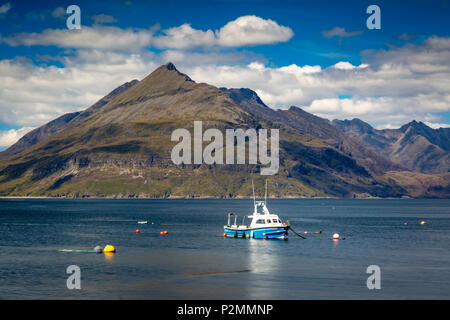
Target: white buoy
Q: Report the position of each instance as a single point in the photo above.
(336, 236)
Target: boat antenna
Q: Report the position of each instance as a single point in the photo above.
(265, 197)
(253, 188)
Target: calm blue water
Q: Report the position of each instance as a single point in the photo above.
(194, 261)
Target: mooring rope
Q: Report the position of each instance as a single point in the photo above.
(290, 228)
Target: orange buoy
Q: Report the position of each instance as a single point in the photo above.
(264, 234)
(164, 232)
(405, 223)
(336, 236)
(137, 231)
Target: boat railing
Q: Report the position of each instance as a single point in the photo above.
(235, 224)
(229, 218)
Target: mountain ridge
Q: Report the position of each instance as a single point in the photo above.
(414, 145)
(121, 148)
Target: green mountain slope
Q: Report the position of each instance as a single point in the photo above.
(122, 148)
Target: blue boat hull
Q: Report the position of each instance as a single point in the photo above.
(257, 233)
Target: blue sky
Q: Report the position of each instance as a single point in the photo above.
(284, 50)
(306, 18)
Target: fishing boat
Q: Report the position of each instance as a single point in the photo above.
(263, 224)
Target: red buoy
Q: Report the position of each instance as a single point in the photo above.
(137, 231)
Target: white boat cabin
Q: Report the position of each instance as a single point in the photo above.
(259, 219)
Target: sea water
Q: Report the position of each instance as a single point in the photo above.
(194, 260)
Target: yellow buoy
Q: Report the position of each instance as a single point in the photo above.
(109, 248)
(422, 222)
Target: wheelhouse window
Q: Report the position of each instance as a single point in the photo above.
(260, 221)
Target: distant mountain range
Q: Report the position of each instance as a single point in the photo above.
(121, 147)
(415, 145)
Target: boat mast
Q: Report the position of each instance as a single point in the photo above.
(265, 197)
(254, 199)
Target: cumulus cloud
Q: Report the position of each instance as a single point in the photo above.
(59, 13)
(392, 110)
(392, 86)
(103, 18)
(340, 32)
(31, 95)
(96, 37)
(252, 30)
(187, 58)
(183, 37)
(5, 8)
(244, 31)
(345, 65)
(435, 125)
(11, 136)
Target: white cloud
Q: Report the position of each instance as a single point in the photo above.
(435, 125)
(244, 31)
(103, 18)
(183, 37)
(344, 65)
(97, 37)
(59, 12)
(5, 8)
(393, 86)
(375, 109)
(340, 32)
(9, 137)
(252, 30)
(32, 95)
(386, 126)
(187, 58)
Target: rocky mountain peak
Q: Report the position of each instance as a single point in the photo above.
(168, 71)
